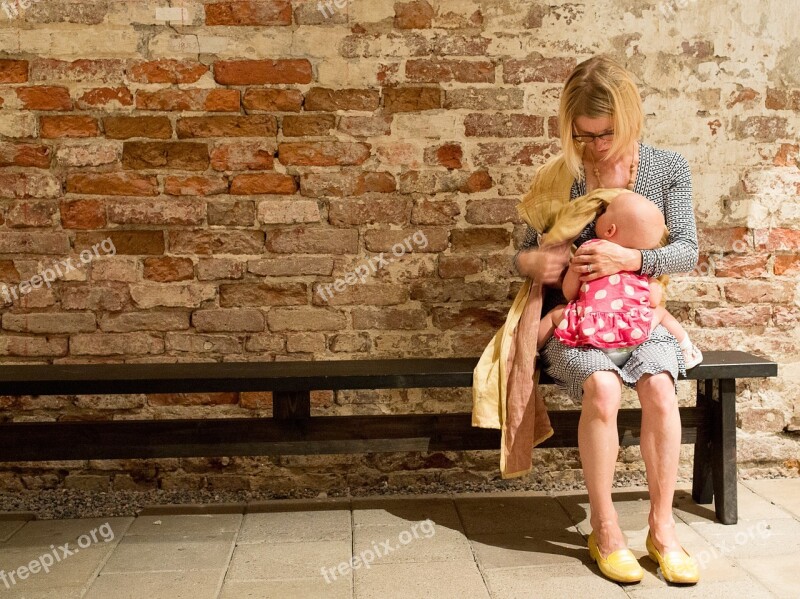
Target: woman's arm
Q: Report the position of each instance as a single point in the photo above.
(681, 254)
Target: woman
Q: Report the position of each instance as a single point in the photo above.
(600, 120)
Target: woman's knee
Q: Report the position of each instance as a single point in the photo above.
(602, 391)
(657, 392)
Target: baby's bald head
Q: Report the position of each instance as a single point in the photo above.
(633, 221)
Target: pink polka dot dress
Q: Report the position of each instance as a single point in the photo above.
(610, 312)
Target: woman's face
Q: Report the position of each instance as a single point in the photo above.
(584, 125)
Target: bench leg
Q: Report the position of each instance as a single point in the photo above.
(702, 482)
(724, 452)
(288, 405)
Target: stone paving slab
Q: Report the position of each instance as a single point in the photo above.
(269, 561)
(187, 525)
(522, 513)
(784, 492)
(751, 506)
(171, 552)
(776, 572)
(523, 549)
(294, 527)
(459, 579)
(302, 588)
(550, 581)
(713, 590)
(8, 528)
(412, 542)
(391, 511)
(203, 584)
(753, 538)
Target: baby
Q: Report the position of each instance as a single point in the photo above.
(617, 312)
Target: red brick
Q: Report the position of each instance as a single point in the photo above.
(207, 242)
(504, 98)
(273, 100)
(741, 266)
(258, 13)
(457, 267)
(171, 211)
(194, 186)
(104, 70)
(461, 45)
(307, 125)
(33, 213)
(9, 272)
(477, 181)
(30, 185)
(783, 99)
(537, 69)
(192, 399)
(371, 211)
(211, 269)
(482, 239)
(457, 291)
(366, 126)
(155, 154)
(214, 100)
(447, 155)
(53, 127)
(512, 153)
(103, 96)
(243, 156)
(262, 72)
(234, 319)
(472, 318)
(788, 155)
(19, 345)
(112, 184)
(760, 292)
(779, 240)
(462, 71)
(266, 183)
(787, 265)
(503, 125)
(125, 127)
(740, 316)
(413, 15)
(166, 269)
(83, 214)
(496, 211)
(307, 240)
(760, 128)
(331, 100)
(166, 70)
(261, 125)
(383, 240)
(257, 295)
(13, 71)
(115, 344)
(345, 183)
(13, 242)
(33, 155)
(126, 242)
(330, 153)
(44, 97)
(435, 212)
(240, 213)
(724, 239)
(411, 99)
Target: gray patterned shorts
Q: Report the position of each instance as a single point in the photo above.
(571, 366)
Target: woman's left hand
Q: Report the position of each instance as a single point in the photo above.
(603, 258)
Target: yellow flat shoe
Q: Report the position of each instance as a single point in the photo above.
(676, 566)
(619, 566)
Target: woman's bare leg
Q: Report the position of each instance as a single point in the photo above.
(548, 324)
(598, 443)
(660, 446)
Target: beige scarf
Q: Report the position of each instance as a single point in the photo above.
(505, 389)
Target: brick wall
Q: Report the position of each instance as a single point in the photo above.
(244, 156)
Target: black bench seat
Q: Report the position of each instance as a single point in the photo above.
(710, 424)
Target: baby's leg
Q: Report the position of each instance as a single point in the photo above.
(691, 354)
(548, 324)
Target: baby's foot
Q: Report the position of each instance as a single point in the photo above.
(692, 356)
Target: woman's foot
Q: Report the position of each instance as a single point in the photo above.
(677, 566)
(608, 548)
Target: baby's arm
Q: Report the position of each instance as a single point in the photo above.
(571, 284)
(656, 293)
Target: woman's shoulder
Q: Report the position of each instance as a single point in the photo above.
(663, 157)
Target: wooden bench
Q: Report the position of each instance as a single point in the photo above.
(710, 425)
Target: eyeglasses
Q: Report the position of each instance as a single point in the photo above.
(587, 138)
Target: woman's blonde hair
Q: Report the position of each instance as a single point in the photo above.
(599, 87)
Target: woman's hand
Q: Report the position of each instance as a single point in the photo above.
(545, 264)
(603, 258)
